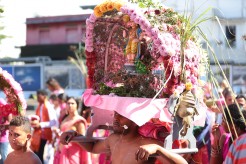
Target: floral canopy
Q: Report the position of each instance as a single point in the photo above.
(142, 53)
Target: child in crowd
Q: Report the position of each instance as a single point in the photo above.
(19, 135)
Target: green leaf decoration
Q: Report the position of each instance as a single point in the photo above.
(140, 67)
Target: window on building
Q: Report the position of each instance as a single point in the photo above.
(231, 35)
(44, 36)
(72, 35)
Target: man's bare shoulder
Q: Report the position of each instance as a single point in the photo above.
(112, 138)
(27, 157)
(146, 140)
(9, 158)
(33, 158)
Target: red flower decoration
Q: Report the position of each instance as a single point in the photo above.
(16, 103)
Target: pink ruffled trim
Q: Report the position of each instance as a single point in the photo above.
(139, 110)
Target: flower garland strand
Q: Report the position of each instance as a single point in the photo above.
(16, 103)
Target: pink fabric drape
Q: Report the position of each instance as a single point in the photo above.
(139, 110)
(72, 153)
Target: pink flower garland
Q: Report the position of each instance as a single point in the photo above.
(13, 91)
(90, 23)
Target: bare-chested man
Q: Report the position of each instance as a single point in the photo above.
(126, 145)
(19, 134)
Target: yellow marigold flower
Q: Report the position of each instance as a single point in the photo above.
(126, 18)
(103, 7)
(118, 5)
(110, 6)
(188, 86)
(97, 11)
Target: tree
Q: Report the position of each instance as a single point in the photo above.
(2, 36)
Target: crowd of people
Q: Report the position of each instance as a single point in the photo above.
(59, 118)
(57, 112)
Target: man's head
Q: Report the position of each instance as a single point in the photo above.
(19, 132)
(41, 95)
(122, 125)
(241, 100)
(52, 84)
(229, 96)
(54, 100)
(234, 117)
(62, 98)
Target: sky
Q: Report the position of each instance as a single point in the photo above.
(16, 12)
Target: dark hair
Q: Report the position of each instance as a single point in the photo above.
(75, 99)
(62, 96)
(21, 121)
(85, 111)
(42, 92)
(237, 118)
(53, 97)
(226, 92)
(241, 96)
(53, 83)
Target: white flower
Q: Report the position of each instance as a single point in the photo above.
(125, 127)
(189, 53)
(176, 69)
(176, 93)
(187, 73)
(170, 51)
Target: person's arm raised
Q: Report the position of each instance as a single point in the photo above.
(217, 146)
(89, 144)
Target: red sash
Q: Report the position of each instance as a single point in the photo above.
(46, 132)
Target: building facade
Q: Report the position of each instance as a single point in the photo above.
(56, 36)
(226, 28)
